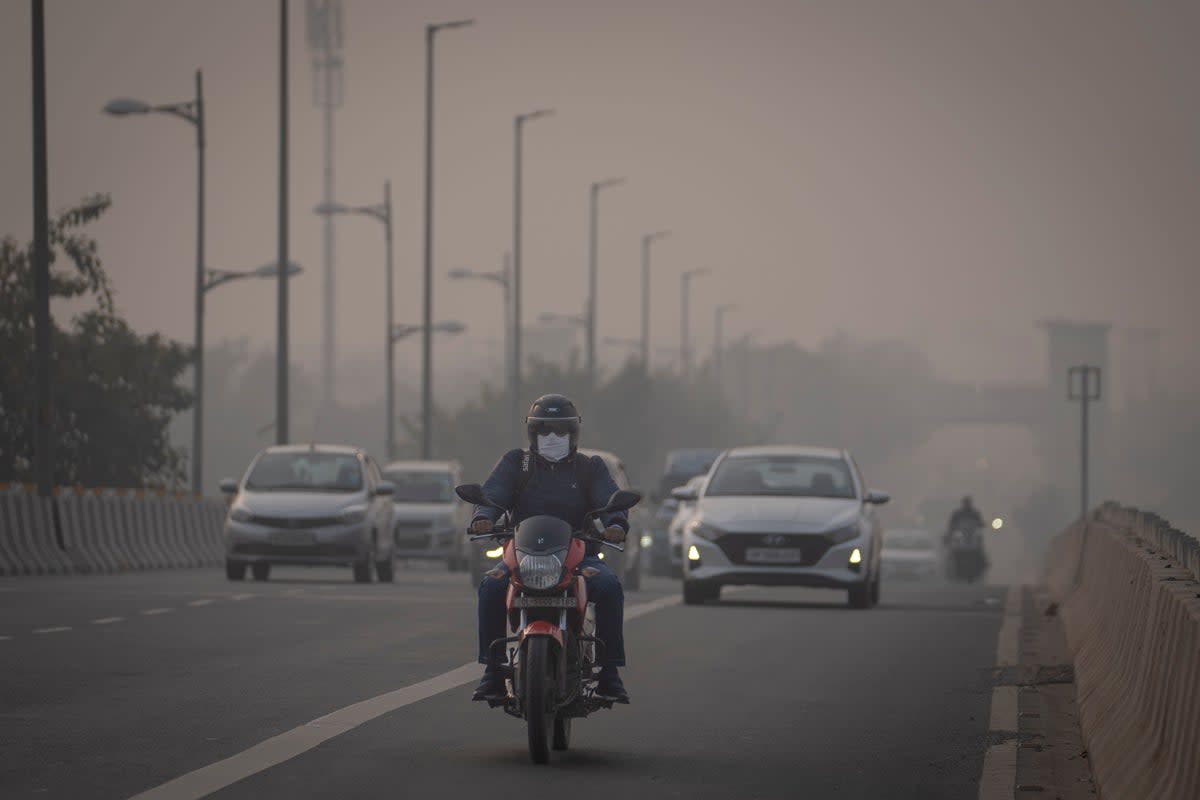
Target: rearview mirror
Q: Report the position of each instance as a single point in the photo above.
(385, 488)
(473, 493)
(227, 485)
(876, 497)
(685, 493)
(622, 500)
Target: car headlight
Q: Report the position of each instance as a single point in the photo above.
(353, 514)
(540, 572)
(698, 528)
(239, 514)
(844, 534)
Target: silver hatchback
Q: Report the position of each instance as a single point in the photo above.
(309, 505)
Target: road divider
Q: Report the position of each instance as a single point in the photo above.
(105, 531)
(1127, 587)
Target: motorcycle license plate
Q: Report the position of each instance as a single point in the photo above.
(543, 602)
(774, 555)
(292, 538)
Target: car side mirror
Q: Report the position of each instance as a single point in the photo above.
(385, 489)
(621, 500)
(228, 485)
(685, 493)
(473, 494)
(876, 497)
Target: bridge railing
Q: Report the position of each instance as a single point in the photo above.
(83, 531)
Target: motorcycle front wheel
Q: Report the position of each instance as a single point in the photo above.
(539, 697)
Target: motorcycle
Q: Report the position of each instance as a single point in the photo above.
(548, 664)
(966, 560)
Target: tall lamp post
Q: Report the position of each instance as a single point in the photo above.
(518, 134)
(191, 111)
(685, 348)
(718, 339)
(593, 226)
(427, 343)
(647, 240)
(383, 213)
(1083, 385)
(502, 278)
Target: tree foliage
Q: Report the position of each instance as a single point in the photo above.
(114, 390)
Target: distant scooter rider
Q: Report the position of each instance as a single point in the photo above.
(965, 518)
(551, 478)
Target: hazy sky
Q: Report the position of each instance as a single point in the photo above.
(945, 172)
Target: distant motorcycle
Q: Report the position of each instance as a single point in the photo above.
(548, 664)
(965, 559)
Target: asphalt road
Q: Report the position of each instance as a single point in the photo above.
(113, 685)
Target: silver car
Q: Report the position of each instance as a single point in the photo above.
(428, 519)
(310, 505)
(783, 516)
(683, 515)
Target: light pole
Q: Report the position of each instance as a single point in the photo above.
(282, 381)
(647, 240)
(518, 134)
(593, 225)
(449, 326)
(502, 278)
(43, 436)
(1083, 384)
(718, 343)
(383, 213)
(191, 111)
(427, 316)
(685, 349)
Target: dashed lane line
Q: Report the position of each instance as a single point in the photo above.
(240, 597)
(57, 629)
(151, 612)
(107, 620)
(5, 638)
(204, 601)
(289, 744)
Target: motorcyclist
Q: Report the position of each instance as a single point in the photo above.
(965, 518)
(551, 478)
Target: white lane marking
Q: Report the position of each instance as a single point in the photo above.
(293, 592)
(150, 612)
(107, 620)
(240, 597)
(58, 629)
(207, 601)
(5, 638)
(289, 744)
(999, 778)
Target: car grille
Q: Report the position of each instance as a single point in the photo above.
(295, 523)
(319, 550)
(812, 546)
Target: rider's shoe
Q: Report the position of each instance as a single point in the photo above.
(491, 686)
(610, 687)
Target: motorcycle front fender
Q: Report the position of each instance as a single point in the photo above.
(542, 628)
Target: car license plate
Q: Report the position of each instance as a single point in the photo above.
(292, 538)
(774, 555)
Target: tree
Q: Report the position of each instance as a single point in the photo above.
(114, 390)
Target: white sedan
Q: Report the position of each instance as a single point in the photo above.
(783, 516)
(910, 554)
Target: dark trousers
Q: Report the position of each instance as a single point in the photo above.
(604, 589)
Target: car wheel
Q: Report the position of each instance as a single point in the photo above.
(385, 570)
(695, 593)
(260, 570)
(859, 596)
(235, 570)
(875, 587)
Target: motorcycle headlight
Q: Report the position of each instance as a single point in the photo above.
(239, 514)
(843, 534)
(698, 528)
(353, 514)
(540, 572)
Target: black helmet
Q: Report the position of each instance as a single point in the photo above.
(553, 413)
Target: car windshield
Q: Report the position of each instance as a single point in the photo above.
(908, 540)
(781, 476)
(421, 486)
(306, 472)
(690, 462)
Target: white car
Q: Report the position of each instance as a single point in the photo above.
(429, 520)
(783, 516)
(910, 554)
(683, 515)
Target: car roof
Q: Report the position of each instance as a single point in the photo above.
(788, 450)
(412, 464)
(313, 447)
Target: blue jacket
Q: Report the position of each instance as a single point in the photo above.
(554, 489)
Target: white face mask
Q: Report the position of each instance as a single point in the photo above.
(553, 447)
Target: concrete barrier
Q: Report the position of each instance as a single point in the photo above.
(1128, 589)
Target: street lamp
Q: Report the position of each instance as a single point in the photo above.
(216, 277)
(685, 348)
(718, 345)
(647, 240)
(383, 213)
(449, 326)
(593, 224)
(518, 134)
(502, 278)
(427, 344)
(191, 111)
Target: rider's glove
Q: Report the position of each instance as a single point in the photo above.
(481, 526)
(614, 534)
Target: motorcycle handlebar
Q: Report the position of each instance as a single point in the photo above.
(507, 534)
